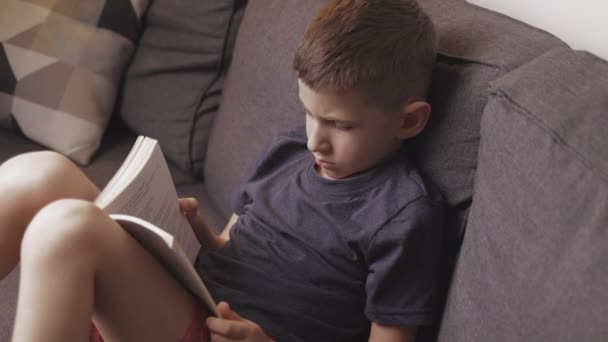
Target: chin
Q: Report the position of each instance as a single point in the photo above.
(336, 176)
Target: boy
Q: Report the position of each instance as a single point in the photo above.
(335, 235)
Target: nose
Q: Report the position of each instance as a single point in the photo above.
(317, 141)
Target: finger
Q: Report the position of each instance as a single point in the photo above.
(220, 338)
(227, 313)
(188, 205)
(196, 219)
(228, 328)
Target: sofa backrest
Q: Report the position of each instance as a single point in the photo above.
(532, 266)
(476, 46)
(260, 94)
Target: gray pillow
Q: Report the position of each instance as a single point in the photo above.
(476, 46)
(533, 261)
(173, 85)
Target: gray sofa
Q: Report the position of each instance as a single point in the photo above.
(516, 145)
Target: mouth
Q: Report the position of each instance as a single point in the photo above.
(324, 164)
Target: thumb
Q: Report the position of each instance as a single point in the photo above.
(188, 205)
(226, 312)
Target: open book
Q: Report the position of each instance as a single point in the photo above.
(142, 198)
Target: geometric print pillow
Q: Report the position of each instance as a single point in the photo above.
(61, 63)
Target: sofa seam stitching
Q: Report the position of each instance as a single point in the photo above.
(525, 112)
(217, 76)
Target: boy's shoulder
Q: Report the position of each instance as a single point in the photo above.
(286, 147)
(297, 134)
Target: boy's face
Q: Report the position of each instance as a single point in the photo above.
(346, 136)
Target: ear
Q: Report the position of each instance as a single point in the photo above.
(414, 117)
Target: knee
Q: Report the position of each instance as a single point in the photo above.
(32, 170)
(42, 177)
(63, 228)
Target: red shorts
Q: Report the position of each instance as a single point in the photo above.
(197, 331)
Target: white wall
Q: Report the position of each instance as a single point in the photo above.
(583, 24)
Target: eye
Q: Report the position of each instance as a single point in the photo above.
(343, 126)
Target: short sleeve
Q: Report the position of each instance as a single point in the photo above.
(404, 259)
(286, 145)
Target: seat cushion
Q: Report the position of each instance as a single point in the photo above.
(533, 261)
(9, 287)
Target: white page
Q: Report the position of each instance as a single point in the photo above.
(151, 196)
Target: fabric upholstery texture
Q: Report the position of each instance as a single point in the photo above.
(61, 64)
(252, 110)
(475, 47)
(8, 297)
(173, 86)
(533, 261)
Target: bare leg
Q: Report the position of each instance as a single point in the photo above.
(77, 263)
(27, 183)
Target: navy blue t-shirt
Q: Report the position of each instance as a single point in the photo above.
(312, 259)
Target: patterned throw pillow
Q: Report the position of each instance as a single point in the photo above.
(61, 62)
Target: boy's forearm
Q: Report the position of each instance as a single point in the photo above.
(213, 241)
(226, 232)
(209, 240)
(205, 234)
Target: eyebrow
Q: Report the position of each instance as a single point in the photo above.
(329, 117)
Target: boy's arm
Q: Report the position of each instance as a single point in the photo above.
(389, 333)
(226, 232)
(205, 235)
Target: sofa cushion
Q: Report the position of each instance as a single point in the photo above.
(173, 86)
(533, 261)
(476, 46)
(9, 287)
(61, 64)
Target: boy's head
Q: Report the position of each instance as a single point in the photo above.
(364, 65)
(384, 49)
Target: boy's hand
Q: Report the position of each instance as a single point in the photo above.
(209, 240)
(232, 327)
(189, 207)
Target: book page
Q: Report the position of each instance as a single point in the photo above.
(162, 245)
(110, 190)
(147, 191)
